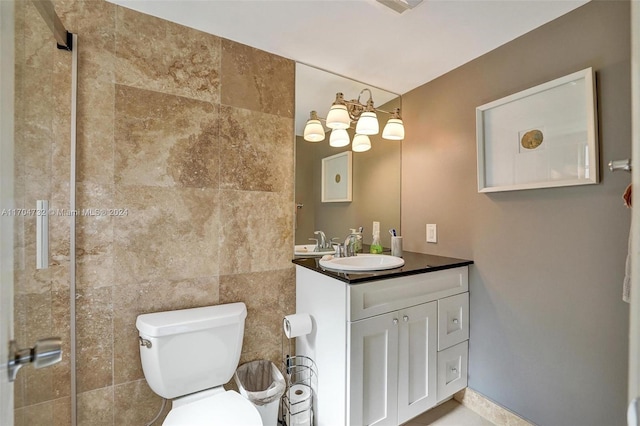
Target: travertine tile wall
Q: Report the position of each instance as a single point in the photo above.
(192, 135)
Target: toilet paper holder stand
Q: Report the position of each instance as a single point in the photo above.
(301, 376)
(297, 402)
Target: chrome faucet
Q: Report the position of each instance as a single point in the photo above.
(350, 245)
(322, 242)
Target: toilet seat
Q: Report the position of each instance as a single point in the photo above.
(221, 409)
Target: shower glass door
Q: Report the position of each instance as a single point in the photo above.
(35, 219)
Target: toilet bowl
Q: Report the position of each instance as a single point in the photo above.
(187, 355)
(213, 407)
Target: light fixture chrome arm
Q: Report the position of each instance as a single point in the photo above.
(396, 113)
(370, 94)
(343, 114)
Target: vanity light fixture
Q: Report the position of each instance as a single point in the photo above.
(339, 138)
(313, 130)
(361, 143)
(341, 116)
(394, 130)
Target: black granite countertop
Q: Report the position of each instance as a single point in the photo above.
(414, 263)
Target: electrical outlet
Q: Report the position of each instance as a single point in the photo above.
(432, 233)
(376, 228)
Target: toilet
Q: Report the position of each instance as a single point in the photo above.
(187, 355)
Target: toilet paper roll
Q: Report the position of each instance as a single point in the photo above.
(299, 398)
(297, 325)
(304, 418)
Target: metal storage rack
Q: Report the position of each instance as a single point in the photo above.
(297, 402)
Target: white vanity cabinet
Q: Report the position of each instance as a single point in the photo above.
(386, 350)
(392, 360)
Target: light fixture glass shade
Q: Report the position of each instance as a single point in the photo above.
(394, 130)
(338, 117)
(368, 124)
(313, 131)
(339, 138)
(361, 143)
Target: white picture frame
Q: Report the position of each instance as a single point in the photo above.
(337, 178)
(542, 137)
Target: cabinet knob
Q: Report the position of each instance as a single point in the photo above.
(395, 321)
(455, 320)
(405, 318)
(454, 370)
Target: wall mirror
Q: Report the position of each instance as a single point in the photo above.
(375, 173)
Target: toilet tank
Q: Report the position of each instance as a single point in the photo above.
(191, 349)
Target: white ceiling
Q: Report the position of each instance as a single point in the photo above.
(363, 39)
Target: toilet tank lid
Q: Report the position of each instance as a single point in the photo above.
(159, 324)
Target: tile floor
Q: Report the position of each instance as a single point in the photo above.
(450, 413)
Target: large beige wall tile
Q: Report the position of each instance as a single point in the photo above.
(94, 236)
(62, 412)
(157, 55)
(61, 327)
(165, 140)
(257, 80)
(268, 296)
(95, 117)
(168, 234)
(37, 324)
(257, 231)
(136, 404)
(94, 22)
(39, 414)
(61, 128)
(39, 316)
(96, 408)
(32, 280)
(37, 135)
(256, 151)
(94, 322)
(37, 38)
(159, 295)
(18, 390)
(56, 412)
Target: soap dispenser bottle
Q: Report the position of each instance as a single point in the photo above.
(376, 246)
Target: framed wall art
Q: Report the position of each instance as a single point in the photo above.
(545, 136)
(337, 178)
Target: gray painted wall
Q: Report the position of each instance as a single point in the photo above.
(548, 326)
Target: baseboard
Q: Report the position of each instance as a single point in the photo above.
(488, 409)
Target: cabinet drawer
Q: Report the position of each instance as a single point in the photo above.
(452, 370)
(380, 297)
(453, 320)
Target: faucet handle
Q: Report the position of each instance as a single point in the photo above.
(316, 248)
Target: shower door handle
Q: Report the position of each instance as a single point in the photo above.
(46, 352)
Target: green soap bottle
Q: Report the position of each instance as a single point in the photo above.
(376, 246)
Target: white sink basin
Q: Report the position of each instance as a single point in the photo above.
(363, 263)
(307, 250)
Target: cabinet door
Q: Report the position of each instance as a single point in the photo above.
(417, 348)
(373, 367)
